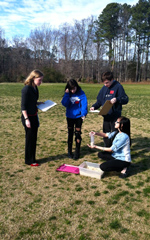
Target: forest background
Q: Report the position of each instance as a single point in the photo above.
(119, 39)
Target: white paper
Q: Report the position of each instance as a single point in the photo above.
(94, 111)
(46, 105)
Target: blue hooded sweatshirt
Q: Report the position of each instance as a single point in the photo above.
(76, 104)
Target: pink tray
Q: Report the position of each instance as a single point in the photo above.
(68, 168)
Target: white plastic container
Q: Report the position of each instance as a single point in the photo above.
(90, 170)
(92, 140)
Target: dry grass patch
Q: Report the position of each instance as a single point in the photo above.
(40, 203)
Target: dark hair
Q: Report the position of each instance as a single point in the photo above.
(125, 126)
(107, 76)
(71, 84)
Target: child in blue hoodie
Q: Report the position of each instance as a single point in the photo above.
(76, 105)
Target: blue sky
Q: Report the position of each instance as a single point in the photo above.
(19, 17)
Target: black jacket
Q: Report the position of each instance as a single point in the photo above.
(29, 99)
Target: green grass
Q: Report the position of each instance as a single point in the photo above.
(41, 203)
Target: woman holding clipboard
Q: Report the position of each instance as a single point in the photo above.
(29, 117)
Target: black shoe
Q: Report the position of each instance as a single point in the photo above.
(77, 151)
(76, 156)
(70, 155)
(123, 175)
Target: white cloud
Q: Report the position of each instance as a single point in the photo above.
(19, 17)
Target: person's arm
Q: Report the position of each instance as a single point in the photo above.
(24, 101)
(66, 99)
(101, 134)
(84, 106)
(122, 97)
(27, 121)
(38, 103)
(120, 142)
(107, 149)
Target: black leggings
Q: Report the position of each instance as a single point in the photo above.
(111, 163)
(74, 123)
(77, 122)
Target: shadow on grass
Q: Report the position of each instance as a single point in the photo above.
(139, 155)
(52, 158)
(83, 151)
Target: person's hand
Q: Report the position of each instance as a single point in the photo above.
(91, 133)
(83, 118)
(113, 100)
(93, 146)
(38, 103)
(27, 123)
(67, 90)
(92, 109)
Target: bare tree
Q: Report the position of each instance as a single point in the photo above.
(84, 34)
(67, 48)
(40, 42)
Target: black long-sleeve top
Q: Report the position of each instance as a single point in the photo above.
(29, 99)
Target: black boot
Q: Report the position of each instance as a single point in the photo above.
(70, 141)
(77, 151)
(78, 143)
(70, 155)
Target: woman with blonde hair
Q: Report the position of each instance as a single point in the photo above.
(29, 117)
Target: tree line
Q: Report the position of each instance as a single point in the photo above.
(118, 40)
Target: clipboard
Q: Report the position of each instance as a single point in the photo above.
(47, 105)
(106, 107)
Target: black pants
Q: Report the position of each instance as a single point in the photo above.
(77, 122)
(30, 139)
(108, 126)
(72, 125)
(111, 163)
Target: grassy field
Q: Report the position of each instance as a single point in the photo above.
(40, 203)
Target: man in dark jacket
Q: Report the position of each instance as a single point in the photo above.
(113, 91)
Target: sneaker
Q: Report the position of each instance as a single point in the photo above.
(34, 164)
